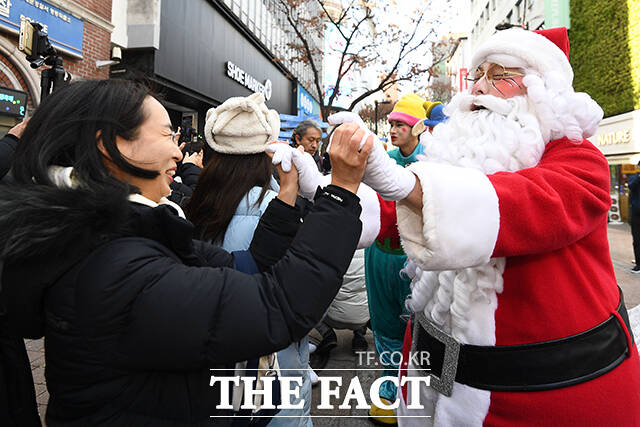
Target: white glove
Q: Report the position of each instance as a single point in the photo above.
(281, 154)
(345, 117)
(385, 176)
(382, 173)
(309, 178)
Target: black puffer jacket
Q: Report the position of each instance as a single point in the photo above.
(134, 316)
(7, 149)
(181, 192)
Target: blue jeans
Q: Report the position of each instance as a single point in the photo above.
(294, 362)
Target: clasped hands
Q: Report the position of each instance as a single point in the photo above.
(356, 156)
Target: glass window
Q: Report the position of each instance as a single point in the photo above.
(252, 12)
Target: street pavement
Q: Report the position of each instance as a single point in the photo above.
(344, 363)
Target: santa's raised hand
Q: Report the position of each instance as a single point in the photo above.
(390, 180)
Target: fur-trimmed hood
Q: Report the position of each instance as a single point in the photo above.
(45, 231)
(41, 221)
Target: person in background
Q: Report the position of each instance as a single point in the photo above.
(233, 192)
(236, 186)
(387, 290)
(634, 198)
(8, 147)
(186, 177)
(348, 310)
(308, 135)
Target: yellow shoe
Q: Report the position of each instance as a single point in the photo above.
(382, 416)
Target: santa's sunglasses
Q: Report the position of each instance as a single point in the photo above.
(495, 73)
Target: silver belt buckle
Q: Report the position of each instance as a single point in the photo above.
(444, 383)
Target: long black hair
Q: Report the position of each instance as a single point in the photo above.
(66, 128)
(223, 183)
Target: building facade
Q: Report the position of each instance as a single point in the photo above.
(486, 14)
(79, 30)
(457, 65)
(618, 137)
(198, 53)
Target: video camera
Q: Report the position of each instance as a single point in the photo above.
(35, 43)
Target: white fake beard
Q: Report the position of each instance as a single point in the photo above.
(504, 136)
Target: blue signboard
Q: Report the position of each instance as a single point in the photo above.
(64, 30)
(306, 103)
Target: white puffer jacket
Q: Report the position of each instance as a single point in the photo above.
(349, 309)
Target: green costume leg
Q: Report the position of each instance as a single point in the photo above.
(387, 292)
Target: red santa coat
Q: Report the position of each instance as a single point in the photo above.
(550, 224)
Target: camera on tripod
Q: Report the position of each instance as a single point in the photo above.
(35, 43)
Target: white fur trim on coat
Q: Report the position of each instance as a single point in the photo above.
(466, 407)
(460, 218)
(139, 198)
(370, 216)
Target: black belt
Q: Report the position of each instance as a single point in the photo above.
(527, 367)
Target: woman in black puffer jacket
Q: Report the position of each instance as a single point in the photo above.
(134, 312)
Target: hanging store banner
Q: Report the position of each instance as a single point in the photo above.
(306, 103)
(556, 14)
(63, 29)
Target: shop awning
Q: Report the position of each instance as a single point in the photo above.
(624, 159)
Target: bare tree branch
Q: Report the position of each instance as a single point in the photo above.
(388, 47)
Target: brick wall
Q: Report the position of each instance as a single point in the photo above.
(6, 82)
(96, 45)
(100, 7)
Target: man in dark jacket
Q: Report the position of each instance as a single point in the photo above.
(17, 394)
(186, 178)
(8, 147)
(634, 198)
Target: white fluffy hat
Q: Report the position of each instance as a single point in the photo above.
(545, 51)
(241, 125)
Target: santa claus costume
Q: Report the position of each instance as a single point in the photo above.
(514, 291)
(514, 294)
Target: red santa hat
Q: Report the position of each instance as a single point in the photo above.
(543, 51)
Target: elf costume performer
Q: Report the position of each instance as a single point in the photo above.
(387, 290)
(505, 226)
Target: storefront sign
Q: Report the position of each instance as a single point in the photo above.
(617, 137)
(556, 14)
(629, 169)
(306, 103)
(247, 80)
(64, 30)
(12, 102)
(464, 84)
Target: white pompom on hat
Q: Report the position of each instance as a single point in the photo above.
(545, 51)
(241, 125)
